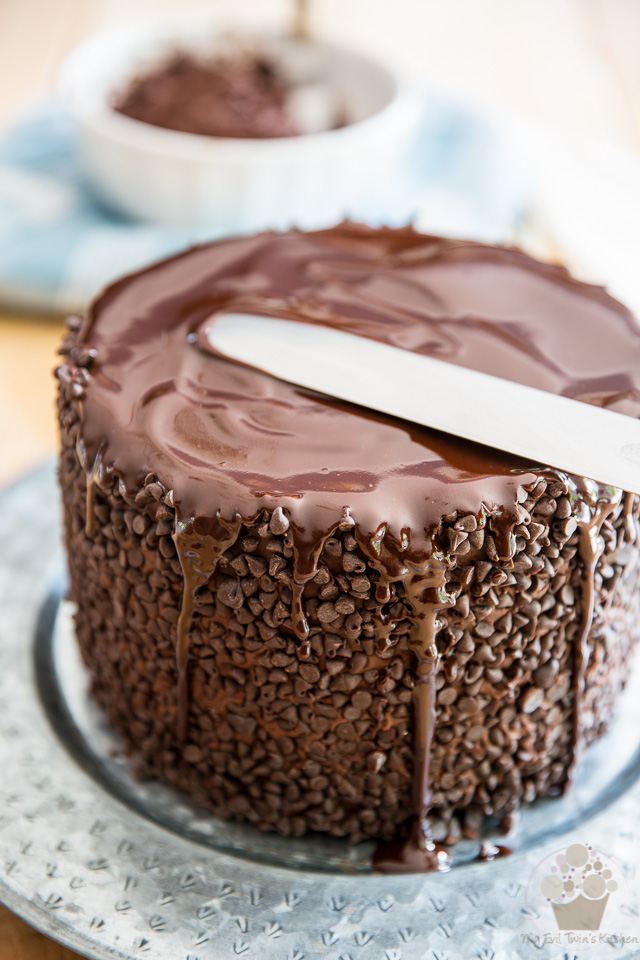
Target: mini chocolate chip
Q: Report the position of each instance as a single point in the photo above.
(279, 523)
(455, 538)
(309, 672)
(557, 488)
(447, 695)
(334, 667)
(330, 592)
(239, 565)
(360, 584)
(166, 547)
(276, 565)
(249, 586)
(375, 761)
(467, 705)
(465, 645)
(349, 682)
(494, 674)
(322, 576)
(462, 548)
(140, 524)
(532, 699)
(155, 490)
(333, 547)
(546, 674)
(536, 530)
(230, 593)
(359, 663)
(347, 522)
(327, 613)
(351, 563)
(345, 605)
(466, 524)
(256, 565)
(362, 699)
(475, 733)
(346, 731)
(243, 724)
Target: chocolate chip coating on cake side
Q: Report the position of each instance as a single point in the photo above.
(320, 738)
(503, 614)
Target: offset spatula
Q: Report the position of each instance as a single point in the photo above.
(567, 434)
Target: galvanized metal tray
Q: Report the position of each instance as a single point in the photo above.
(118, 868)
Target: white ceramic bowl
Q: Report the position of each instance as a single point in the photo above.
(166, 176)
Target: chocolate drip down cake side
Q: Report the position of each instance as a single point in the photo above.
(313, 617)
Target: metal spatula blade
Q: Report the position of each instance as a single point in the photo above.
(567, 434)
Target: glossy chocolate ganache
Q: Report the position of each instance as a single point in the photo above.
(320, 617)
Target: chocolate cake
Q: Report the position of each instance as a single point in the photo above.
(311, 616)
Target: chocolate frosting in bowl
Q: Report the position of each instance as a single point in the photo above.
(230, 442)
(239, 95)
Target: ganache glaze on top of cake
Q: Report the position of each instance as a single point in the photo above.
(230, 441)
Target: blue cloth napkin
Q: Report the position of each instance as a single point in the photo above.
(59, 245)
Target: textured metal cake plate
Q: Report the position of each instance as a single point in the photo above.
(117, 868)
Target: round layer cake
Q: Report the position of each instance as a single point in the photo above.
(311, 616)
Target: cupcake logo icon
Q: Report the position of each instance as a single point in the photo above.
(578, 895)
(578, 887)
